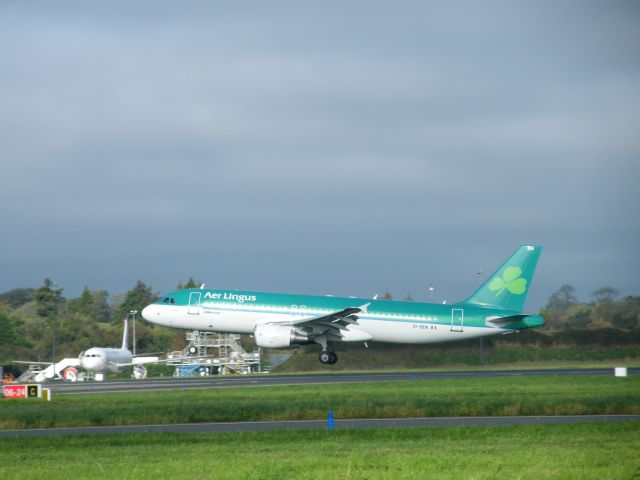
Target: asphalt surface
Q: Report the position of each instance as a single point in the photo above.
(263, 380)
(321, 424)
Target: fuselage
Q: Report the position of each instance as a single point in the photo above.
(231, 311)
(103, 360)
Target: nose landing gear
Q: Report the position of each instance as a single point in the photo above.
(327, 357)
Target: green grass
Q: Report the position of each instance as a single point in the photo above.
(583, 451)
(512, 395)
(546, 365)
(457, 355)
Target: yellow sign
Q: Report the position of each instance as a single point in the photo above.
(33, 391)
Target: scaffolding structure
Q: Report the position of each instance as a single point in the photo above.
(213, 353)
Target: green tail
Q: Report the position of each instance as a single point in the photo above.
(507, 288)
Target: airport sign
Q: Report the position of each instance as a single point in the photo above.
(22, 391)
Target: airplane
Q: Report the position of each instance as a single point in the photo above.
(103, 360)
(99, 360)
(288, 321)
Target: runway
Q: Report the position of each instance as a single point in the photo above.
(321, 424)
(264, 380)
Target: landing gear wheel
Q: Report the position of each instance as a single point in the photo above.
(326, 357)
(334, 358)
(139, 371)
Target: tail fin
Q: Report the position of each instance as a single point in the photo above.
(507, 288)
(125, 335)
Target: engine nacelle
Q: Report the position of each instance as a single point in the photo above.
(278, 336)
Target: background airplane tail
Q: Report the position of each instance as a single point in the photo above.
(125, 334)
(507, 288)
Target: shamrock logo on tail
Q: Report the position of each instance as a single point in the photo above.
(511, 280)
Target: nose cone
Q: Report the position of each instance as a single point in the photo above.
(92, 364)
(149, 313)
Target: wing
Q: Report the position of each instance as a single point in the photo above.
(333, 324)
(31, 363)
(141, 360)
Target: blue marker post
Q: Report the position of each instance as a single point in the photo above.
(330, 420)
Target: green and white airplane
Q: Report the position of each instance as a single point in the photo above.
(284, 321)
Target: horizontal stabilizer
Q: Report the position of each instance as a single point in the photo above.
(518, 321)
(501, 321)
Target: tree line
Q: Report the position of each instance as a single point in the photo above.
(35, 323)
(41, 324)
(605, 309)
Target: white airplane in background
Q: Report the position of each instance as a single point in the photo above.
(104, 360)
(99, 360)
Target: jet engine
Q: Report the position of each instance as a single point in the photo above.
(278, 336)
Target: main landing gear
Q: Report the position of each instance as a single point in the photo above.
(327, 357)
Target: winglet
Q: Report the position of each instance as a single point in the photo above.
(363, 308)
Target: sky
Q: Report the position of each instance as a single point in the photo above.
(342, 148)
